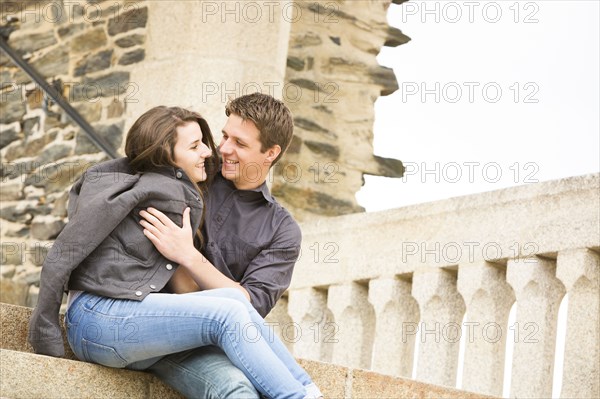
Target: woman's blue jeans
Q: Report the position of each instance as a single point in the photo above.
(136, 334)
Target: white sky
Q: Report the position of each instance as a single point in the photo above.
(543, 128)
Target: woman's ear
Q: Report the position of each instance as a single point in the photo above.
(273, 153)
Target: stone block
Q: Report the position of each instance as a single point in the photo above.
(91, 89)
(88, 41)
(31, 126)
(90, 111)
(53, 153)
(60, 205)
(132, 57)
(11, 170)
(54, 177)
(114, 109)
(13, 151)
(367, 384)
(11, 253)
(321, 203)
(93, 63)
(130, 41)
(12, 292)
(112, 134)
(15, 326)
(25, 375)
(7, 271)
(132, 19)
(12, 106)
(18, 232)
(11, 191)
(70, 29)
(324, 151)
(295, 63)
(46, 227)
(17, 213)
(5, 77)
(330, 378)
(35, 98)
(25, 42)
(308, 39)
(10, 133)
(54, 62)
(35, 143)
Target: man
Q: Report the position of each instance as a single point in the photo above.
(251, 241)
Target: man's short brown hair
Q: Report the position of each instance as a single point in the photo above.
(271, 117)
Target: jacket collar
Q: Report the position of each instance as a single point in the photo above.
(174, 173)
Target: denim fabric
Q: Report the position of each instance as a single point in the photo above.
(135, 335)
(204, 373)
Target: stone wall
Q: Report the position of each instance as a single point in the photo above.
(86, 50)
(333, 80)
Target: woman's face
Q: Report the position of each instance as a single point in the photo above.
(190, 152)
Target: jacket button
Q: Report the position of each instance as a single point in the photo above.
(138, 293)
(152, 287)
(179, 175)
(169, 266)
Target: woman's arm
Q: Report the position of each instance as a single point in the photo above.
(176, 243)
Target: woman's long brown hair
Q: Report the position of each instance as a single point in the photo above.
(151, 141)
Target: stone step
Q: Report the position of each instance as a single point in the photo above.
(27, 375)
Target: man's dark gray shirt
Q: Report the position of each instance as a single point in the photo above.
(251, 239)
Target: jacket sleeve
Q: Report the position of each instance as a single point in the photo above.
(97, 204)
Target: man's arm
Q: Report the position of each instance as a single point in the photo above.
(176, 244)
(269, 274)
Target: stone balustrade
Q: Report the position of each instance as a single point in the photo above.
(385, 290)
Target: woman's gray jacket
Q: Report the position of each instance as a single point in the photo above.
(102, 249)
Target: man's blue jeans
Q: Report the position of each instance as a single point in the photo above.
(133, 334)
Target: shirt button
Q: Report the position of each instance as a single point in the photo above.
(179, 175)
(152, 287)
(169, 266)
(138, 293)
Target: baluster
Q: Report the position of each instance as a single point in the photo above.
(355, 319)
(396, 314)
(489, 299)
(442, 309)
(578, 270)
(538, 293)
(281, 323)
(308, 308)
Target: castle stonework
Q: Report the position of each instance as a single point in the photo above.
(332, 81)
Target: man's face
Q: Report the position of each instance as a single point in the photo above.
(243, 162)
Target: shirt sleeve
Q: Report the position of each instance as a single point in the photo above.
(270, 272)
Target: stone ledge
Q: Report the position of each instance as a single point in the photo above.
(25, 375)
(14, 321)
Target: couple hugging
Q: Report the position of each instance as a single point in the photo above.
(174, 250)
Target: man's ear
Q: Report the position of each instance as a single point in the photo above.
(273, 153)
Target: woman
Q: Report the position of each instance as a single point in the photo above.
(120, 312)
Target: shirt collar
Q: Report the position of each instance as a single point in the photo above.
(261, 190)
